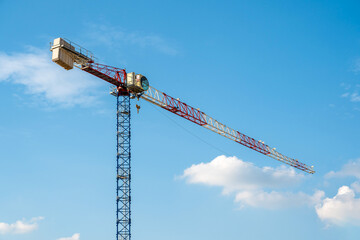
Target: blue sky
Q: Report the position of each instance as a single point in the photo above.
(287, 73)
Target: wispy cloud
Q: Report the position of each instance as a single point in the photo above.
(356, 187)
(249, 182)
(351, 169)
(356, 67)
(113, 36)
(352, 93)
(20, 227)
(41, 77)
(355, 97)
(76, 236)
(343, 208)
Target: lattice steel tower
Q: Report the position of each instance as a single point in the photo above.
(123, 167)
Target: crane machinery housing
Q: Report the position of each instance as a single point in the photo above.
(127, 86)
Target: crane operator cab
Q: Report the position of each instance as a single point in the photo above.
(136, 83)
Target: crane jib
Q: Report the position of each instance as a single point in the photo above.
(194, 115)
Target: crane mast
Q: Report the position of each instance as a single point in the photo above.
(130, 85)
(123, 167)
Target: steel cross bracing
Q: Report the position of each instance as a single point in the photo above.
(195, 115)
(123, 167)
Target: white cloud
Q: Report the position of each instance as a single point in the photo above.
(76, 236)
(276, 200)
(342, 208)
(249, 181)
(20, 227)
(45, 79)
(351, 169)
(114, 36)
(234, 174)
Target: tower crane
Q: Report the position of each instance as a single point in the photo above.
(127, 86)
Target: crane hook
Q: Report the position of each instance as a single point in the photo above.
(137, 108)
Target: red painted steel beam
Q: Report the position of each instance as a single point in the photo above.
(252, 143)
(183, 110)
(113, 75)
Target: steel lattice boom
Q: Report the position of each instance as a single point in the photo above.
(163, 100)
